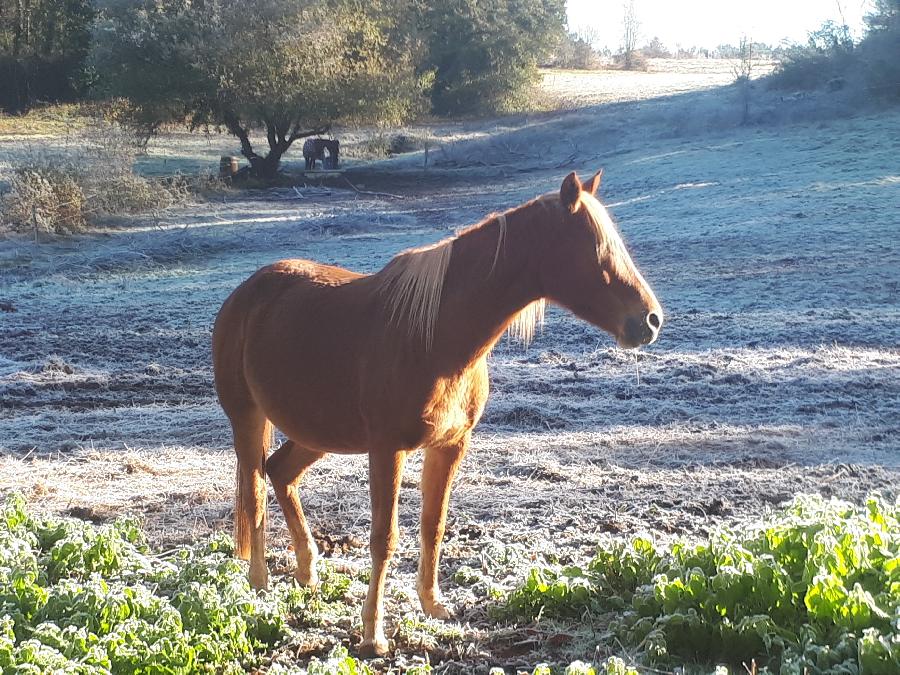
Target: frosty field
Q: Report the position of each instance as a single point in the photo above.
(774, 249)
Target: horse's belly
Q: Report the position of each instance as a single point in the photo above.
(309, 388)
(314, 401)
(311, 436)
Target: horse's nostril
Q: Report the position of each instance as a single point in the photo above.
(654, 321)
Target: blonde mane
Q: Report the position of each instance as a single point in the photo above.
(414, 279)
(607, 232)
(525, 323)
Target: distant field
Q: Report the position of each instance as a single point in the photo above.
(663, 77)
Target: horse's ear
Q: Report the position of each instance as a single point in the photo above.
(570, 192)
(595, 183)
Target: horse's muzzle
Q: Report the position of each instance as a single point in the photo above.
(641, 330)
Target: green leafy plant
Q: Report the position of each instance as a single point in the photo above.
(815, 588)
(84, 599)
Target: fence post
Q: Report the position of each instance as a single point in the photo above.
(34, 222)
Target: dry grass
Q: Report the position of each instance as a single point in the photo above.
(180, 493)
(663, 77)
(55, 120)
(62, 192)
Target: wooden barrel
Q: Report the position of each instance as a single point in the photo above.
(228, 166)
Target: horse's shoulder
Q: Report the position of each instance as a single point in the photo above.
(455, 404)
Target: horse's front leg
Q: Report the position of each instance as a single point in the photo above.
(385, 474)
(440, 467)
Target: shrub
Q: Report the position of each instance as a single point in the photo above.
(830, 57)
(574, 52)
(880, 54)
(43, 199)
(801, 68)
(63, 197)
(829, 53)
(634, 60)
(62, 194)
(657, 50)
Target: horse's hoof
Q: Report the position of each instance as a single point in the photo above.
(373, 649)
(308, 578)
(438, 610)
(259, 579)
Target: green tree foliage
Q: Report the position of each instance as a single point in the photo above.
(885, 16)
(880, 49)
(832, 57)
(482, 54)
(285, 67)
(43, 48)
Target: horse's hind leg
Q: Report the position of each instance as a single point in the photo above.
(437, 477)
(252, 435)
(286, 467)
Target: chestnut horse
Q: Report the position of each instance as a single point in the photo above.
(390, 362)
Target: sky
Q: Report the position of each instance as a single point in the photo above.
(708, 23)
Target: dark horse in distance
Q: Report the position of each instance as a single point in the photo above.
(314, 150)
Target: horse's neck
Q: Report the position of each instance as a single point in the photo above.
(488, 282)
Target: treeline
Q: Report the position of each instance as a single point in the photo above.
(832, 58)
(576, 50)
(44, 47)
(448, 57)
(830, 52)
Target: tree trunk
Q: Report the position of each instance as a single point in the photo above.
(267, 167)
(279, 140)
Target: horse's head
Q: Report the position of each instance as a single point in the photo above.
(587, 269)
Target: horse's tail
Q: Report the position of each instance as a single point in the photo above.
(247, 492)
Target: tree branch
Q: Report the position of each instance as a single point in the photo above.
(315, 131)
(271, 135)
(235, 129)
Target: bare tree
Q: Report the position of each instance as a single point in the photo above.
(742, 71)
(631, 30)
(588, 33)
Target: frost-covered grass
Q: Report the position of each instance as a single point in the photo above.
(771, 247)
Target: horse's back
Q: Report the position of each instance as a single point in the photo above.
(280, 282)
(264, 324)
